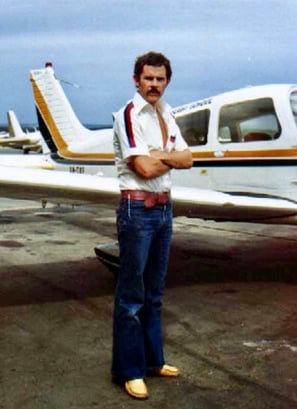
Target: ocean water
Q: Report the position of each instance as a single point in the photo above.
(33, 127)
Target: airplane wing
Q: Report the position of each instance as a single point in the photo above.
(57, 186)
(30, 141)
(16, 142)
(62, 187)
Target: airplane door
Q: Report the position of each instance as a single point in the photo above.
(246, 131)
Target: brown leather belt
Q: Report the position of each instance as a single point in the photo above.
(150, 198)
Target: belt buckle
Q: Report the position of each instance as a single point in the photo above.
(162, 198)
(155, 198)
(151, 200)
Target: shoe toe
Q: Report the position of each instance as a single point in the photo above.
(136, 388)
(168, 370)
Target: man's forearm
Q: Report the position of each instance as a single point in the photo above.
(175, 159)
(149, 167)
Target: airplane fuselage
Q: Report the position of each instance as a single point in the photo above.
(244, 141)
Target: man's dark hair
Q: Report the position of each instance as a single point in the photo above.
(154, 59)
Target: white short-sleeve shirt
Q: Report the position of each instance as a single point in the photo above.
(136, 132)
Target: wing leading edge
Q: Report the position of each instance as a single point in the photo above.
(57, 187)
(61, 187)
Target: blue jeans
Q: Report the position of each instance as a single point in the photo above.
(144, 240)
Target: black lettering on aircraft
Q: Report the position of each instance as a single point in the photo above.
(76, 169)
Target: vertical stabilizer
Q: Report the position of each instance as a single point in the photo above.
(62, 130)
(14, 127)
(54, 108)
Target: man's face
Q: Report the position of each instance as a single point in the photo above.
(152, 83)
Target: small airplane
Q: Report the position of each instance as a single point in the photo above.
(243, 143)
(16, 138)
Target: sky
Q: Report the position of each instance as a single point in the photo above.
(213, 45)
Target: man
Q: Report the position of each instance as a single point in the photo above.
(147, 144)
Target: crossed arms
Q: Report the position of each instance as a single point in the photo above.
(160, 162)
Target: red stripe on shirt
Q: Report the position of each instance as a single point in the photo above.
(128, 125)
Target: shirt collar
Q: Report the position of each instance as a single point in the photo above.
(140, 103)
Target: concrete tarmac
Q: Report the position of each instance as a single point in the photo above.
(229, 314)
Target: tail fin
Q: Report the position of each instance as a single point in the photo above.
(60, 126)
(14, 127)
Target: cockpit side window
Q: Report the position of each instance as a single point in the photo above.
(249, 121)
(194, 127)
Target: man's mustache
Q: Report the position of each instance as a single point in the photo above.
(154, 91)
